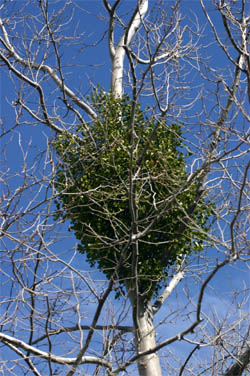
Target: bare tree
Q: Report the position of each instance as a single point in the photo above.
(180, 66)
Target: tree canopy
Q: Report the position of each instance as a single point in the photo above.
(125, 152)
(151, 176)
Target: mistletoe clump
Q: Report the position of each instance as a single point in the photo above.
(122, 174)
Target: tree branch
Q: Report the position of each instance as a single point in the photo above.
(168, 290)
(40, 67)
(118, 58)
(121, 328)
(238, 368)
(54, 358)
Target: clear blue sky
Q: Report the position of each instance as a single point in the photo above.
(85, 66)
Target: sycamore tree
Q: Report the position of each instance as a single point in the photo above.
(125, 187)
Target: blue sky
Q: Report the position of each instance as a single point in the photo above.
(84, 67)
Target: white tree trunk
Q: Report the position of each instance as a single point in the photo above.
(148, 365)
(118, 53)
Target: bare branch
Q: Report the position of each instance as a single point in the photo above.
(54, 358)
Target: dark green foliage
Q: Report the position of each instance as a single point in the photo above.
(112, 181)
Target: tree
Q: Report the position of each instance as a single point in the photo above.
(123, 178)
(153, 174)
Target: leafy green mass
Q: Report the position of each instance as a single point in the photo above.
(122, 174)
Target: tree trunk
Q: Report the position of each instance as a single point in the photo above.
(240, 366)
(148, 365)
(118, 53)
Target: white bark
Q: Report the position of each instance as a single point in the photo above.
(118, 53)
(16, 343)
(148, 365)
(27, 307)
(39, 67)
(168, 290)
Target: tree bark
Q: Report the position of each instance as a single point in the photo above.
(148, 365)
(238, 368)
(118, 53)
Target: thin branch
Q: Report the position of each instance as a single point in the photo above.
(98, 311)
(26, 358)
(111, 11)
(40, 67)
(54, 358)
(180, 335)
(168, 290)
(183, 367)
(121, 328)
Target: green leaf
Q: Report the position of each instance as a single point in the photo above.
(93, 181)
